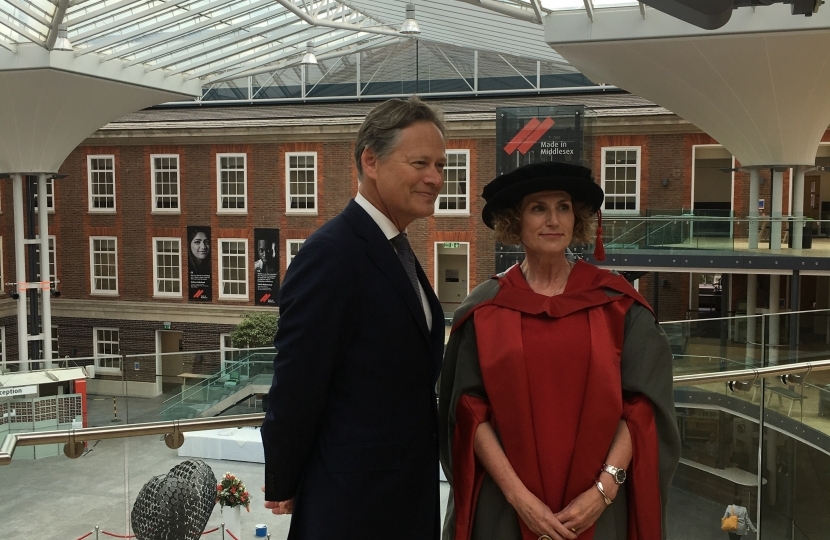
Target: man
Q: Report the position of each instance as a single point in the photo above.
(350, 434)
(264, 261)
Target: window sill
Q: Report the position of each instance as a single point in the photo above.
(106, 371)
(449, 213)
(301, 213)
(104, 293)
(234, 298)
(232, 212)
(168, 296)
(157, 212)
(107, 211)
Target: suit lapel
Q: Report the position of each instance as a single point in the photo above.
(383, 255)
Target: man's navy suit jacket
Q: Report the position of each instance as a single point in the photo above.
(351, 427)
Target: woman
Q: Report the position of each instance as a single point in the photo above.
(556, 391)
(743, 519)
(199, 254)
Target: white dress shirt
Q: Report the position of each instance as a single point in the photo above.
(390, 231)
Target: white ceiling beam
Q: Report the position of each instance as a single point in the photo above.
(57, 20)
(643, 9)
(19, 31)
(253, 43)
(537, 8)
(291, 6)
(289, 46)
(116, 40)
(108, 10)
(589, 8)
(23, 8)
(504, 9)
(197, 38)
(96, 32)
(319, 41)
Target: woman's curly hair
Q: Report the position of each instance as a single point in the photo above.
(507, 225)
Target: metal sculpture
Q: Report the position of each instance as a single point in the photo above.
(177, 505)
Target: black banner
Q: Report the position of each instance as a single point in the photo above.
(266, 266)
(200, 277)
(533, 134)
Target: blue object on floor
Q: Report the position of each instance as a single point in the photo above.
(261, 530)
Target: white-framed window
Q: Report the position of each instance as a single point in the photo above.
(231, 183)
(291, 249)
(107, 352)
(3, 289)
(101, 175)
(165, 181)
(228, 352)
(233, 268)
(53, 268)
(621, 178)
(50, 196)
(301, 182)
(167, 267)
(453, 198)
(103, 264)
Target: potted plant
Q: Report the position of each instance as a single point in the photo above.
(231, 492)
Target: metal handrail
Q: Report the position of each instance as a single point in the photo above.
(174, 429)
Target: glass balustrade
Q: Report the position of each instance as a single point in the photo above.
(773, 427)
(709, 230)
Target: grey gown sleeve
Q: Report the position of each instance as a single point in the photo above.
(461, 375)
(646, 367)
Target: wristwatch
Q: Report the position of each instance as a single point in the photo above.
(616, 472)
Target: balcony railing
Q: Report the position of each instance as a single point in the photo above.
(753, 403)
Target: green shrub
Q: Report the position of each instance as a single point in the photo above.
(257, 329)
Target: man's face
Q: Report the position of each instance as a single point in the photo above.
(404, 184)
(263, 253)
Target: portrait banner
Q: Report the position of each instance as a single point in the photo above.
(266, 266)
(200, 277)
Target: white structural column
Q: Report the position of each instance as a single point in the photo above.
(798, 206)
(20, 274)
(45, 277)
(776, 210)
(752, 321)
(754, 195)
(774, 318)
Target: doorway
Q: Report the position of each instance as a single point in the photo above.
(169, 360)
(452, 274)
(712, 192)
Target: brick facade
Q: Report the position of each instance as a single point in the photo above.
(666, 182)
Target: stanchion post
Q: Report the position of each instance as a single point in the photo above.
(114, 411)
(96, 532)
(223, 530)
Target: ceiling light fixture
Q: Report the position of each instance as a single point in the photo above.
(62, 43)
(308, 57)
(410, 25)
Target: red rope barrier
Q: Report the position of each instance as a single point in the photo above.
(84, 536)
(231, 534)
(119, 535)
(206, 532)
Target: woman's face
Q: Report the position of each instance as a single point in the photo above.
(547, 222)
(200, 246)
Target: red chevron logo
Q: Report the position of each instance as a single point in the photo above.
(529, 135)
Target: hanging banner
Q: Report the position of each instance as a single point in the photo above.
(266, 266)
(198, 264)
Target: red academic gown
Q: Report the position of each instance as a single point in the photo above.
(551, 370)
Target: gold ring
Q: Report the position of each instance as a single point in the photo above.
(573, 530)
(545, 537)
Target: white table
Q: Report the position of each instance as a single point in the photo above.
(235, 444)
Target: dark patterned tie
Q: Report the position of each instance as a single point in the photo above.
(407, 258)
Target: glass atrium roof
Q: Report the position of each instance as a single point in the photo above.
(219, 40)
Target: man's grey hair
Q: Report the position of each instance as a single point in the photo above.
(382, 127)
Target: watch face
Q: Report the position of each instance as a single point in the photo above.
(619, 476)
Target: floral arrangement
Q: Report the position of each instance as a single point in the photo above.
(231, 492)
